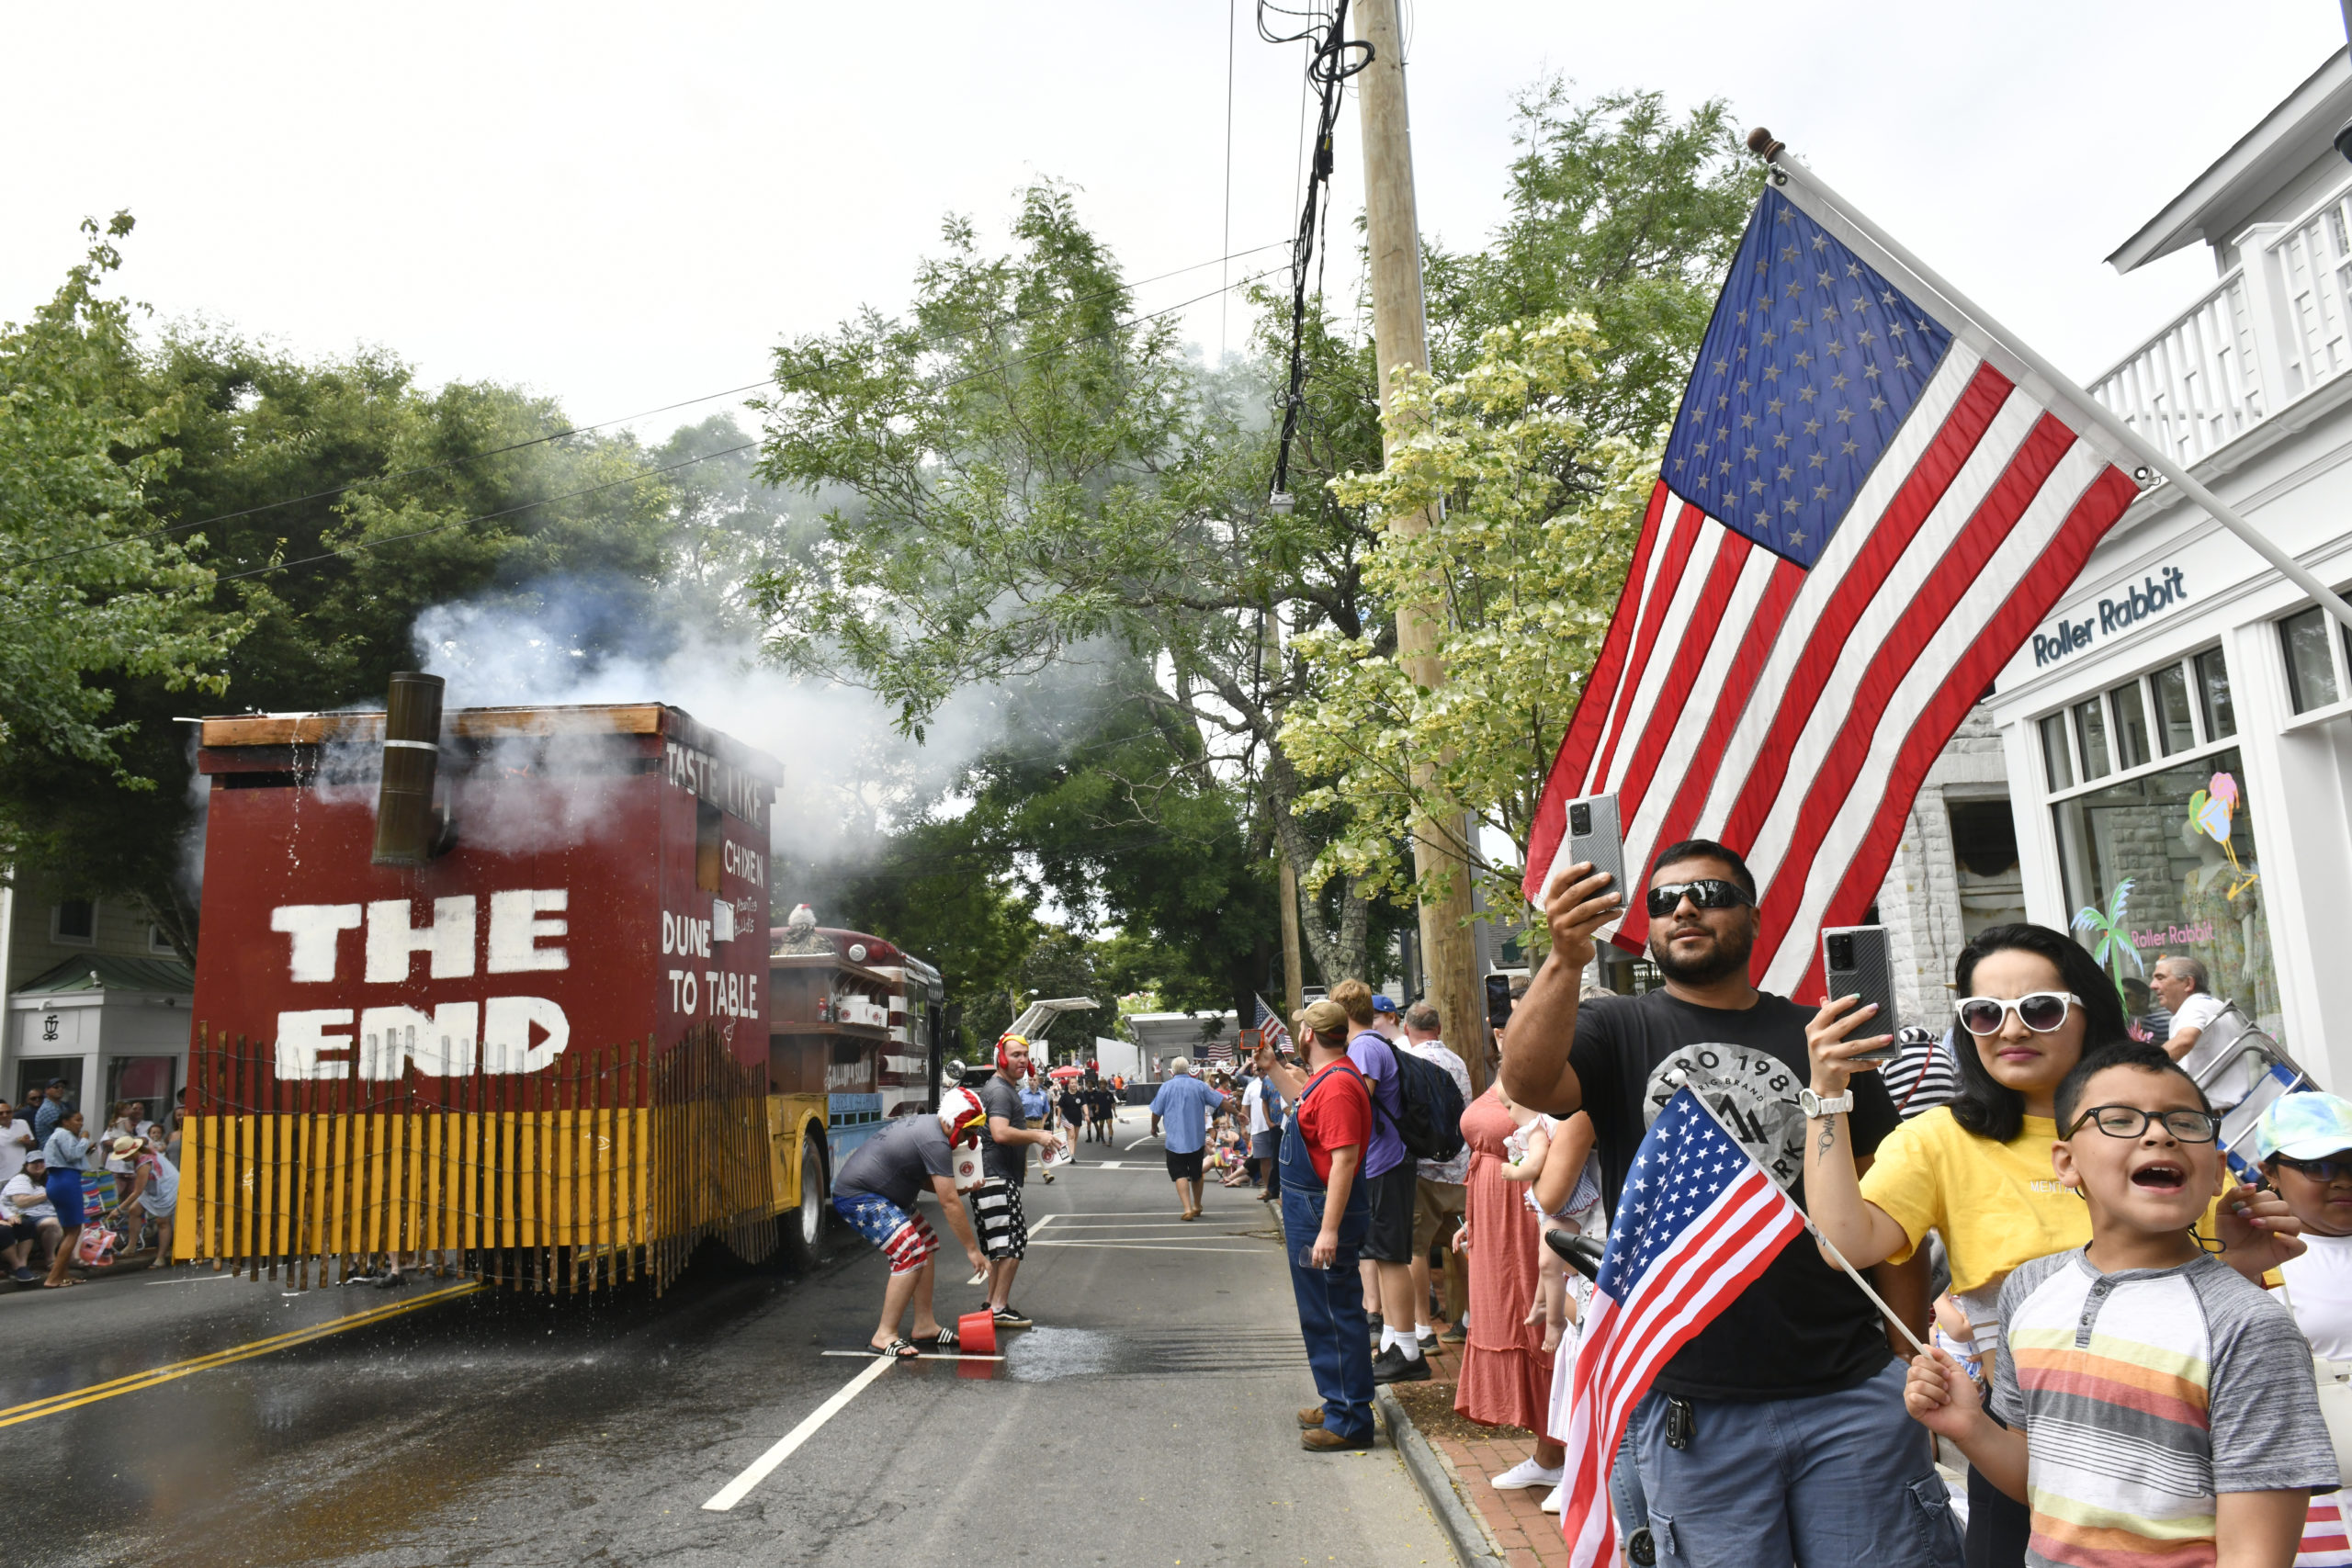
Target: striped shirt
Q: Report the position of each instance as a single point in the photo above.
(2145, 1393)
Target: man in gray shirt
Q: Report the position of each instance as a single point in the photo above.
(875, 1190)
(1005, 1163)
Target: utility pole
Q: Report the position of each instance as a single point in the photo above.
(1400, 333)
(1293, 966)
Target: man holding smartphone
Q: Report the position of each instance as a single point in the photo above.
(1777, 1436)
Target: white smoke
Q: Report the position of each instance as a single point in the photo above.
(848, 773)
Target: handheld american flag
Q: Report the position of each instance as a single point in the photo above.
(1269, 1027)
(1698, 1222)
(1867, 503)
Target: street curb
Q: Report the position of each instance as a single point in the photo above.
(1471, 1542)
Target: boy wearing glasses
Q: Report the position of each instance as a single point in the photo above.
(2154, 1405)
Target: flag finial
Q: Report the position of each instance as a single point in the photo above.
(1760, 142)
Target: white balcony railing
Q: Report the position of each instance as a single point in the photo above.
(2275, 327)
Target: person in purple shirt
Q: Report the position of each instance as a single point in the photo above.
(1388, 1177)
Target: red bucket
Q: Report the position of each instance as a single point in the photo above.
(976, 1331)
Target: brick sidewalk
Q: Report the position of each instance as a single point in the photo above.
(1521, 1533)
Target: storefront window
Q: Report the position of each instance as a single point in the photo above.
(2092, 727)
(2054, 753)
(2130, 727)
(2213, 693)
(2173, 726)
(2165, 864)
(2310, 669)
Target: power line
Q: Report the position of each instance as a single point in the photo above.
(644, 474)
(606, 424)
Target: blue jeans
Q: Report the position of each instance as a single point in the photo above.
(1831, 1481)
(1331, 1309)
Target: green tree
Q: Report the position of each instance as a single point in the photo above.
(92, 593)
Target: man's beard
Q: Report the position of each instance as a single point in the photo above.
(1728, 957)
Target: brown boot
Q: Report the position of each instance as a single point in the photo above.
(1310, 1416)
(1323, 1440)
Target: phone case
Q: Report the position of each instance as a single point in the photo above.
(1856, 961)
(1595, 836)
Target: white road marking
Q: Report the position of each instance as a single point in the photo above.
(738, 1489)
(1146, 1246)
(925, 1356)
(196, 1279)
(1041, 1225)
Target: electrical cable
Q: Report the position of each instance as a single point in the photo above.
(643, 474)
(589, 429)
(1335, 59)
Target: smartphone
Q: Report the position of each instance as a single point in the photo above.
(1498, 1000)
(1855, 962)
(1595, 837)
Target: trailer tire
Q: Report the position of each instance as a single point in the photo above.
(804, 1225)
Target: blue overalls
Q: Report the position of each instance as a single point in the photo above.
(1331, 1301)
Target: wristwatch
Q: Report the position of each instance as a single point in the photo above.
(1814, 1107)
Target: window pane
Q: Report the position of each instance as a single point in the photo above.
(2173, 727)
(2310, 676)
(2131, 726)
(2183, 839)
(2053, 751)
(77, 921)
(2091, 725)
(2213, 696)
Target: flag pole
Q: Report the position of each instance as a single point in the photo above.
(1835, 1255)
(1785, 166)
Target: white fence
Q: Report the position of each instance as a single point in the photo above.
(2272, 329)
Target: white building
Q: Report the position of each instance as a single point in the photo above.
(2177, 737)
(93, 993)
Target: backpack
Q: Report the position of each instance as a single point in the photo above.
(1429, 1107)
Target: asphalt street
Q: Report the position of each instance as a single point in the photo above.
(1147, 1419)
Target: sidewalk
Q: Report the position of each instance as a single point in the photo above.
(1489, 1526)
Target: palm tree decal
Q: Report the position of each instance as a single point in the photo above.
(2114, 937)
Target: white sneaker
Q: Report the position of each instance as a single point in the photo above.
(1527, 1472)
(1553, 1498)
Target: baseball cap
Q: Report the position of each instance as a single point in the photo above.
(35, 1156)
(1384, 1004)
(2303, 1126)
(1324, 1016)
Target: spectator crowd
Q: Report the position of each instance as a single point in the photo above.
(2035, 1318)
(73, 1198)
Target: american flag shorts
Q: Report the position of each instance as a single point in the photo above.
(1004, 1229)
(907, 1240)
(2325, 1544)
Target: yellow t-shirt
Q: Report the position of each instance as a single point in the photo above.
(1996, 1205)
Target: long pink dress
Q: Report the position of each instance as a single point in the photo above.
(1506, 1373)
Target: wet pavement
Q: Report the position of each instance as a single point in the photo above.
(1147, 1419)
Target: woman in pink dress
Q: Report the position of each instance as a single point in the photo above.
(1506, 1378)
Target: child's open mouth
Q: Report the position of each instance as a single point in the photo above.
(2162, 1176)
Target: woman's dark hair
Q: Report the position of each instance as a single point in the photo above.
(1984, 1105)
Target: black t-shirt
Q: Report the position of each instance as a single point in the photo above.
(1802, 1328)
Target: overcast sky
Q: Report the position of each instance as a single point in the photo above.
(626, 205)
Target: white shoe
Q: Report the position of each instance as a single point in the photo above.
(1553, 1498)
(1527, 1472)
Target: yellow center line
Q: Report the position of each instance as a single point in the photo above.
(36, 1408)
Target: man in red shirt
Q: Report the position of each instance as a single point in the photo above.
(1325, 1215)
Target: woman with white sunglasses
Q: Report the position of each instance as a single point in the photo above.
(1977, 1171)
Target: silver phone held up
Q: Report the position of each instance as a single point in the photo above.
(1595, 837)
(1855, 962)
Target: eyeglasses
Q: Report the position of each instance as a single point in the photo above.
(1707, 893)
(2326, 1170)
(2130, 1122)
(2040, 1011)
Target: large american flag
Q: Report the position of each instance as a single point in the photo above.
(1867, 504)
(1698, 1222)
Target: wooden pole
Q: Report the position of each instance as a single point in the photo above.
(1400, 338)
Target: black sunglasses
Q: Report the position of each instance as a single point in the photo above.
(1707, 893)
(2326, 1170)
